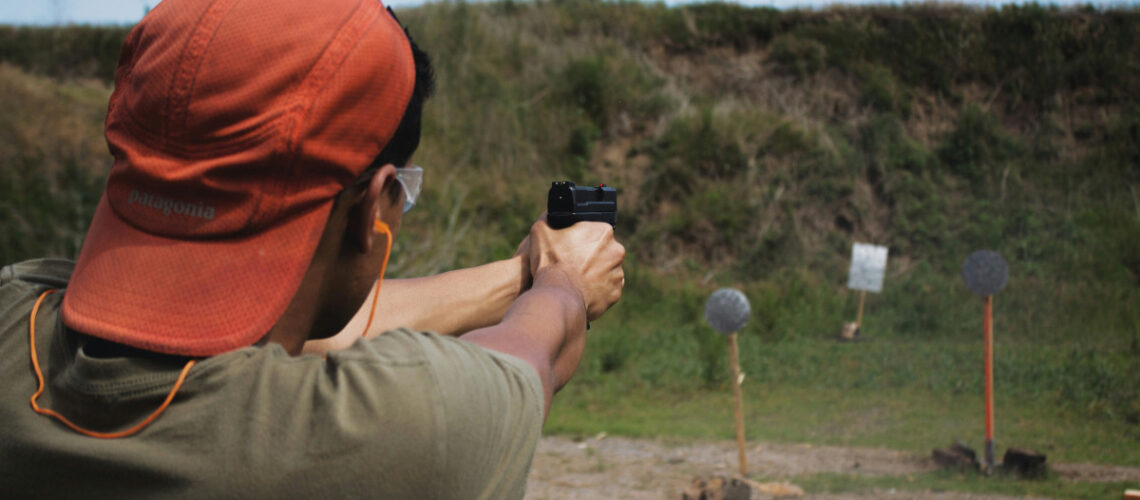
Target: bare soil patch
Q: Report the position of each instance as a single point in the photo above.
(1097, 473)
(655, 469)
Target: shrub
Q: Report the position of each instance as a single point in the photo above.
(801, 57)
(977, 146)
(881, 92)
(692, 147)
(584, 87)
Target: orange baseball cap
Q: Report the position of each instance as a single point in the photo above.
(233, 126)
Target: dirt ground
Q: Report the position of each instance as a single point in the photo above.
(622, 468)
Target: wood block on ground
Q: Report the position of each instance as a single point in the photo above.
(956, 455)
(1028, 463)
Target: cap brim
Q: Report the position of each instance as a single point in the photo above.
(187, 297)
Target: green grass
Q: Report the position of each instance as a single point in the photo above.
(905, 419)
(653, 368)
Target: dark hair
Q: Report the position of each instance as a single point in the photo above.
(406, 139)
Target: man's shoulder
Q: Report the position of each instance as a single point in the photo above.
(48, 272)
(466, 380)
(446, 356)
(412, 405)
(489, 406)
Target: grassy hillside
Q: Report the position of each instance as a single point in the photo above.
(52, 162)
(751, 148)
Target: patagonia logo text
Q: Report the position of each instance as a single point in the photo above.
(170, 205)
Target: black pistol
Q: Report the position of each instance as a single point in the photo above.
(568, 204)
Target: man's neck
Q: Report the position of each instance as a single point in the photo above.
(302, 315)
(299, 319)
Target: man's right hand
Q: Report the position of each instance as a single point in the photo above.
(587, 254)
(572, 268)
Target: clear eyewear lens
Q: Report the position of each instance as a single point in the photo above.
(412, 179)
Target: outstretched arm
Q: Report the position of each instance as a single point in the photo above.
(545, 327)
(450, 303)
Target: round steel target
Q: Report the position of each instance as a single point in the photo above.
(985, 272)
(727, 310)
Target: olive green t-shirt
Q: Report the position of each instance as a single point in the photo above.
(404, 415)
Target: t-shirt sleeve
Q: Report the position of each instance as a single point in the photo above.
(492, 408)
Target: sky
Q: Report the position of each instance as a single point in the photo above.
(130, 11)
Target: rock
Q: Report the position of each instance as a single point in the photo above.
(720, 488)
(850, 332)
(713, 489)
(735, 489)
(695, 490)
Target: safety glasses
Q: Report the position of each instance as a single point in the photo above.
(412, 179)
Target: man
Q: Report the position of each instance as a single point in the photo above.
(261, 169)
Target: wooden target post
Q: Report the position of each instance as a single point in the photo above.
(727, 311)
(734, 358)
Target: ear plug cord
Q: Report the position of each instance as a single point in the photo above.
(52, 413)
(380, 227)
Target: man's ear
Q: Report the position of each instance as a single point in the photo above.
(369, 207)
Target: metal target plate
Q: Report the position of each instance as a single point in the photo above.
(985, 272)
(727, 310)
